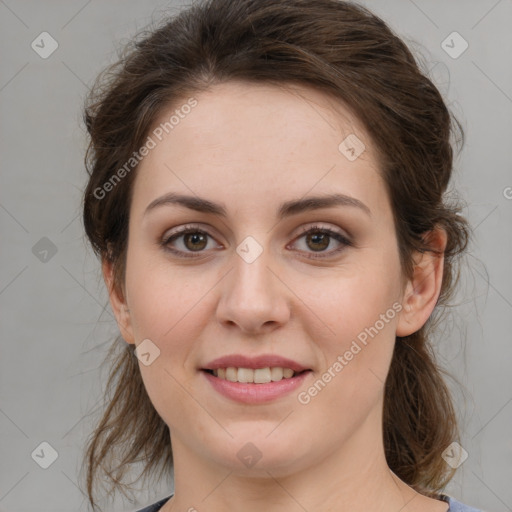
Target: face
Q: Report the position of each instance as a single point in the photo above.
(313, 289)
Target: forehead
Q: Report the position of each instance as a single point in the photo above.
(268, 112)
(258, 142)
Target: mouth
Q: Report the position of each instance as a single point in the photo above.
(254, 385)
(254, 375)
(254, 380)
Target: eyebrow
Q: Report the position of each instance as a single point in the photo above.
(287, 209)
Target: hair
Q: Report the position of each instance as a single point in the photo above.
(347, 52)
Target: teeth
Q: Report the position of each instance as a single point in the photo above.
(277, 373)
(288, 372)
(231, 374)
(245, 375)
(257, 376)
(261, 375)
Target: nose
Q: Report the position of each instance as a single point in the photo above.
(254, 297)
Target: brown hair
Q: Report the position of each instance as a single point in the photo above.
(345, 51)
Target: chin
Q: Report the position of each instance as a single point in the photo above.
(257, 454)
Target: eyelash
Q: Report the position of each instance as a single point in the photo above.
(313, 229)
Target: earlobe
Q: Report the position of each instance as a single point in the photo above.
(118, 303)
(423, 289)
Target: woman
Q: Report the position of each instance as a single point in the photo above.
(266, 195)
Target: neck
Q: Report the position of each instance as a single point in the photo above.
(354, 476)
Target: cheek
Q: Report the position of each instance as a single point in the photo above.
(360, 310)
(161, 297)
(350, 303)
(355, 366)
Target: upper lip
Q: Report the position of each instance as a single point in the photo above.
(262, 361)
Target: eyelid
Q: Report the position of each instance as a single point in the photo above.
(318, 226)
(187, 228)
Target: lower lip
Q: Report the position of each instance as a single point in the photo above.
(250, 393)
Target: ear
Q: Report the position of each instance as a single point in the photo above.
(118, 303)
(422, 291)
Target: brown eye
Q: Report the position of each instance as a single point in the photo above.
(318, 241)
(188, 240)
(195, 241)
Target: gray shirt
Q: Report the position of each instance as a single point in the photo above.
(455, 506)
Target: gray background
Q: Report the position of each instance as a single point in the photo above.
(55, 327)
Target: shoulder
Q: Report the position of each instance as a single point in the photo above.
(156, 506)
(457, 506)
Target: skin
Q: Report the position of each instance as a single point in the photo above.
(251, 147)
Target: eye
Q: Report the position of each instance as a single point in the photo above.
(318, 239)
(193, 240)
